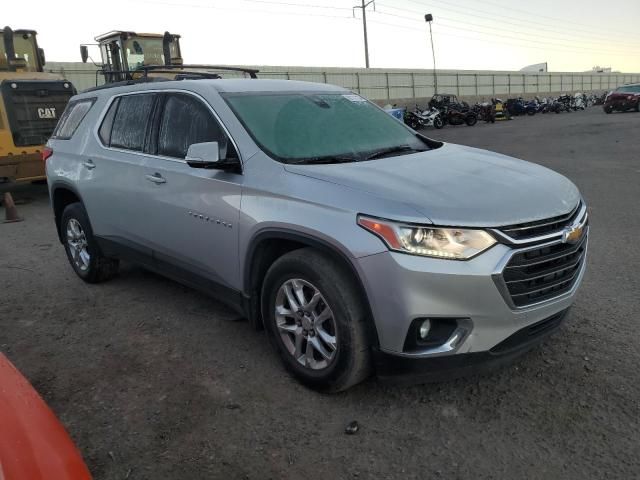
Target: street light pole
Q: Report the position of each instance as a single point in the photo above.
(429, 18)
(364, 6)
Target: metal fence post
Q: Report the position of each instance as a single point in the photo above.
(458, 84)
(413, 84)
(509, 82)
(493, 85)
(358, 82)
(324, 76)
(388, 87)
(477, 89)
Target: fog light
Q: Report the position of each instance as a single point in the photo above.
(14, 85)
(425, 327)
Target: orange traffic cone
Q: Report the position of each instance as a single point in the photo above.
(11, 212)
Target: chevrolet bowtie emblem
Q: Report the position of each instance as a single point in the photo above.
(572, 234)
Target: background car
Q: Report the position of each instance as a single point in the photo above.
(623, 98)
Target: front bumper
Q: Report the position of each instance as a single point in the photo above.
(397, 369)
(402, 288)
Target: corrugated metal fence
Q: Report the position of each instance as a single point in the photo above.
(393, 84)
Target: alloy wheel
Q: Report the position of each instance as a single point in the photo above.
(306, 324)
(78, 245)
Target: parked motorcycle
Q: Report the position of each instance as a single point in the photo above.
(485, 111)
(418, 119)
(517, 106)
(455, 116)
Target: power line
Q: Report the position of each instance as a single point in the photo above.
(218, 7)
(272, 2)
(493, 33)
(499, 17)
(524, 27)
(567, 49)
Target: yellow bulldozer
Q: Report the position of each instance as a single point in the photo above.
(31, 102)
(130, 56)
(124, 53)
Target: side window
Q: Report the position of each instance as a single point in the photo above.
(107, 123)
(185, 121)
(131, 120)
(71, 118)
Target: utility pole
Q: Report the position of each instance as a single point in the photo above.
(429, 18)
(364, 6)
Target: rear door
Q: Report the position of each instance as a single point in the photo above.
(193, 212)
(111, 181)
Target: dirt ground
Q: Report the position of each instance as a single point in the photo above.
(155, 381)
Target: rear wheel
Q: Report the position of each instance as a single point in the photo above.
(82, 250)
(316, 320)
(608, 109)
(471, 120)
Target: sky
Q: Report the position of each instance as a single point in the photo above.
(570, 35)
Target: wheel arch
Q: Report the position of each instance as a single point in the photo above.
(62, 195)
(268, 245)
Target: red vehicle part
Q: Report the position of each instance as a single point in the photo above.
(33, 443)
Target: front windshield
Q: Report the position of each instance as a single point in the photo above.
(144, 51)
(629, 89)
(307, 127)
(25, 48)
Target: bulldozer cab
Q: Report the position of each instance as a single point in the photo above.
(125, 52)
(19, 51)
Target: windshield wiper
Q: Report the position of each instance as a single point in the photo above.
(323, 160)
(387, 151)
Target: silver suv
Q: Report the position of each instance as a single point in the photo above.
(357, 243)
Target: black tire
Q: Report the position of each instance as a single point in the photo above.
(638, 106)
(471, 120)
(438, 123)
(351, 363)
(608, 109)
(100, 268)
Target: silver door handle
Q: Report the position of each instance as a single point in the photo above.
(89, 164)
(155, 178)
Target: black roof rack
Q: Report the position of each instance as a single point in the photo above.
(124, 83)
(170, 68)
(182, 72)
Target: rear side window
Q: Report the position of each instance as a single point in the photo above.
(130, 123)
(72, 117)
(185, 121)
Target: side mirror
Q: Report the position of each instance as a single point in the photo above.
(41, 57)
(203, 155)
(84, 53)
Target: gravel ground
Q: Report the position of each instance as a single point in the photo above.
(155, 381)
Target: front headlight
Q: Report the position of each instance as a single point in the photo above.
(448, 243)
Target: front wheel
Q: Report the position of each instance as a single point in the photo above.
(608, 109)
(471, 120)
(82, 249)
(438, 122)
(316, 320)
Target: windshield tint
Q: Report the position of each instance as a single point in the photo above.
(24, 45)
(307, 127)
(144, 51)
(629, 89)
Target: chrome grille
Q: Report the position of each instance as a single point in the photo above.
(544, 272)
(531, 230)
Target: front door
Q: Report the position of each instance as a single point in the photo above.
(194, 212)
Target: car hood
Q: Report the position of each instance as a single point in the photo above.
(457, 185)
